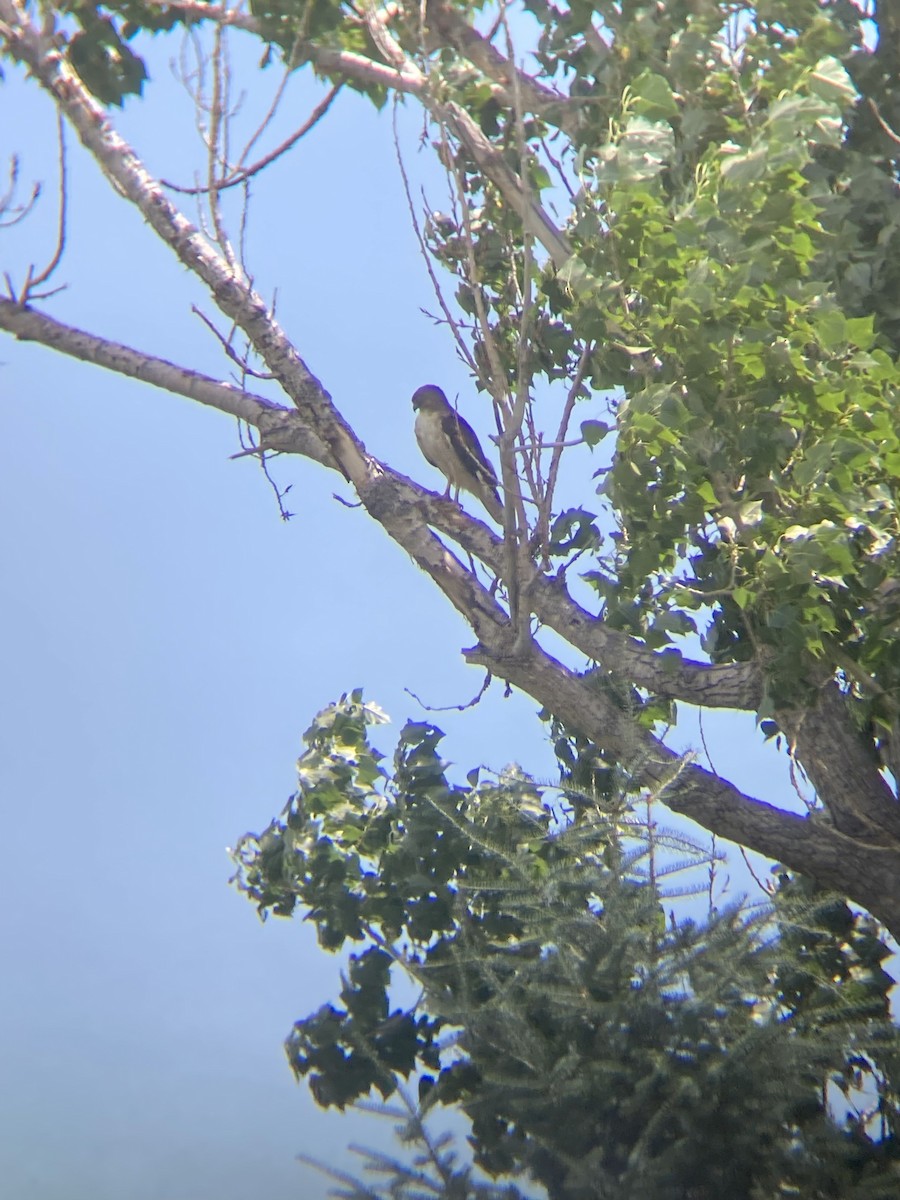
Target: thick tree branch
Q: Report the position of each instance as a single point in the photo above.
(730, 685)
(805, 844)
(494, 166)
(669, 674)
(843, 768)
(280, 428)
(337, 62)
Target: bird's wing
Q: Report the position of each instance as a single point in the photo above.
(462, 436)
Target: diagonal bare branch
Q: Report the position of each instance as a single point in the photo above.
(731, 685)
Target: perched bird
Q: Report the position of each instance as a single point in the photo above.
(449, 443)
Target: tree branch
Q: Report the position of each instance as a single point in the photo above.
(446, 26)
(805, 844)
(234, 297)
(406, 77)
(843, 768)
(669, 674)
(730, 685)
(281, 427)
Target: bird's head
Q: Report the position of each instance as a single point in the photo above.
(429, 396)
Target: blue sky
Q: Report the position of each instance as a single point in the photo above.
(167, 638)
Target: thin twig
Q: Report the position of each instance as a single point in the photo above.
(241, 176)
(228, 348)
(32, 282)
(454, 707)
(290, 65)
(218, 131)
(426, 257)
(517, 538)
(756, 879)
(895, 137)
(560, 443)
(20, 212)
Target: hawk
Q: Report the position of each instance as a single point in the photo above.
(449, 443)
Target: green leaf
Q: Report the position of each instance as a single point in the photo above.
(574, 529)
(594, 432)
(830, 80)
(751, 512)
(706, 493)
(831, 327)
(740, 169)
(106, 64)
(652, 97)
(861, 331)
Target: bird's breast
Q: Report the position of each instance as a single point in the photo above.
(435, 446)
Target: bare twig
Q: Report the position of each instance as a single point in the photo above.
(516, 533)
(17, 212)
(227, 347)
(453, 707)
(217, 141)
(560, 443)
(763, 887)
(426, 257)
(32, 282)
(892, 134)
(407, 78)
(236, 177)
